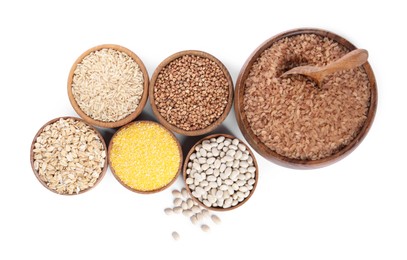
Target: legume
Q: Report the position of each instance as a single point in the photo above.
(228, 180)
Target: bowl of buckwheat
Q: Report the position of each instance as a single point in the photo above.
(191, 92)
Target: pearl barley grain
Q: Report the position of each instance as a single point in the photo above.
(68, 156)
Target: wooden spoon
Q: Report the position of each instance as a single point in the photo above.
(349, 61)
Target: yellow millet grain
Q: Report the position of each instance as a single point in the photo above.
(145, 156)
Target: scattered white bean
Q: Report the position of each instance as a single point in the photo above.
(177, 202)
(176, 193)
(205, 228)
(175, 235)
(193, 219)
(187, 213)
(177, 210)
(168, 211)
(195, 209)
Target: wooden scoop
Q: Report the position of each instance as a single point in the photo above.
(349, 61)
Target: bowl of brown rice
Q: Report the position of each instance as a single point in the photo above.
(291, 122)
(108, 86)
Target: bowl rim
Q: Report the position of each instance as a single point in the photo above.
(111, 143)
(105, 166)
(213, 125)
(271, 155)
(143, 99)
(185, 166)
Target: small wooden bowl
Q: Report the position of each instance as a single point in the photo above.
(101, 175)
(174, 128)
(141, 191)
(192, 150)
(128, 118)
(266, 152)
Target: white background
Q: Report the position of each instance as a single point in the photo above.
(354, 209)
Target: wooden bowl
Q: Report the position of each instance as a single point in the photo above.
(192, 150)
(131, 188)
(102, 174)
(174, 128)
(143, 98)
(271, 155)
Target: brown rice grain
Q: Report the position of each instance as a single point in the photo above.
(292, 117)
(107, 85)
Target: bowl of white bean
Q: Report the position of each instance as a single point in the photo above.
(220, 172)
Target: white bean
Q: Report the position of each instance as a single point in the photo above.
(216, 219)
(210, 160)
(211, 198)
(213, 184)
(220, 146)
(205, 167)
(168, 211)
(211, 178)
(207, 203)
(177, 202)
(231, 152)
(207, 147)
(251, 169)
(244, 164)
(217, 163)
(205, 228)
(220, 139)
(209, 171)
(215, 151)
(175, 235)
(228, 182)
(219, 194)
(242, 147)
(238, 155)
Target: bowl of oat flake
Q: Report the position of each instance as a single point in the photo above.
(68, 156)
(289, 120)
(108, 86)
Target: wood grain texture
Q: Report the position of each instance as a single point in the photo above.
(271, 155)
(101, 175)
(143, 99)
(174, 128)
(149, 191)
(349, 61)
(192, 150)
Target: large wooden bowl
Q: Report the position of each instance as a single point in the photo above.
(174, 128)
(101, 175)
(143, 98)
(271, 155)
(192, 150)
(145, 191)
